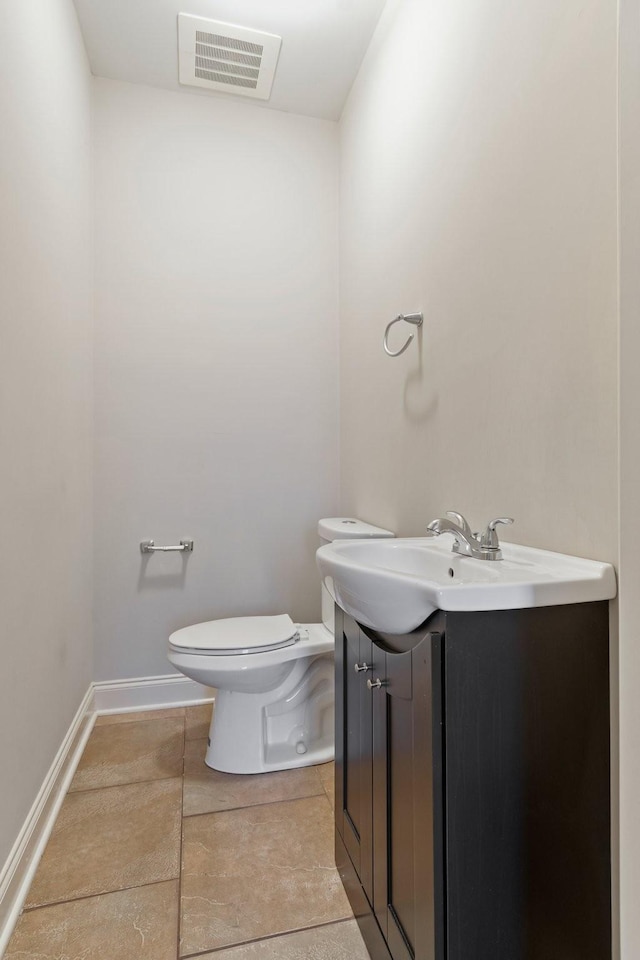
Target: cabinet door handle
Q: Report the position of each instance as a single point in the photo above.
(376, 684)
(360, 667)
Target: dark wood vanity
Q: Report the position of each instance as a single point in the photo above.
(473, 785)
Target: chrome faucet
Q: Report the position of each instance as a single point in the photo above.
(468, 544)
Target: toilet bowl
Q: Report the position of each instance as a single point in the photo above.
(274, 706)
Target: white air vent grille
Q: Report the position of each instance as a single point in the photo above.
(220, 56)
(220, 78)
(216, 41)
(203, 63)
(203, 50)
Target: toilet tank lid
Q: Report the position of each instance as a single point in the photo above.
(347, 528)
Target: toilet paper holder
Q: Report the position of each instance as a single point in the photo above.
(148, 546)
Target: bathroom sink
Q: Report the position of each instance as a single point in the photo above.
(395, 585)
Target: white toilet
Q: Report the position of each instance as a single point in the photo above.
(274, 679)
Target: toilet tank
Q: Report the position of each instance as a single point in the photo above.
(344, 528)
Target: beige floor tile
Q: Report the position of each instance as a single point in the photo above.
(108, 718)
(327, 773)
(335, 941)
(258, 871)
(140, 924)
(194, 751)
(130, 753)
(206, 790)
(198, 721)
(110, 839)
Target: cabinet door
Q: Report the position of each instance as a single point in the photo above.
(527, 772)
(407, 768)
(353, 747)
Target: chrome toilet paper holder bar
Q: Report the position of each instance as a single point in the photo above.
(413, 318)
(148, 546)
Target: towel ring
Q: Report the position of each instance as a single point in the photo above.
(413, 318)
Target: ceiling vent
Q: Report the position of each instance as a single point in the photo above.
(220, 56)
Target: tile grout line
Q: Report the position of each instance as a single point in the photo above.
(253, 806)
(102, 893)
(204, 813)
(266, 803)
(270, 936)
(179, 925)
(141, 717)
(127, 783)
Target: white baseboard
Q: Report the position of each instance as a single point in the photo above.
(17, 873)
(149, 693)
(116, 696)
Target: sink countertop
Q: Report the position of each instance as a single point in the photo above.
(395, 585)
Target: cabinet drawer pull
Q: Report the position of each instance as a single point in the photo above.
(376, 684)
(359, 667)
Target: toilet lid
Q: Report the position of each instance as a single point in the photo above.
(237, 635)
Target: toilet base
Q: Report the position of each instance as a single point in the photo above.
(286, 727)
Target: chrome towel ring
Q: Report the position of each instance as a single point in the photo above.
(413, 318)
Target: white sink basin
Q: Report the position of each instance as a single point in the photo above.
(395, 585)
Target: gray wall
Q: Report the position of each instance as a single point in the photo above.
(478, 183)
(216, 374)
(45, 393)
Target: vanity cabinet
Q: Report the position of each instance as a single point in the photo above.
(472, 785)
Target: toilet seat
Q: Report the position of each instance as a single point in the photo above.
(236, 635)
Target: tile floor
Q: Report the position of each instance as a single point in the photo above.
(156, 857)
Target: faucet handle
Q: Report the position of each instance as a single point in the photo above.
(460, 520)
(490, 536)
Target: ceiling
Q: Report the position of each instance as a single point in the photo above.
(323, 43)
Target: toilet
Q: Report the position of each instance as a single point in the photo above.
(274, 679)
